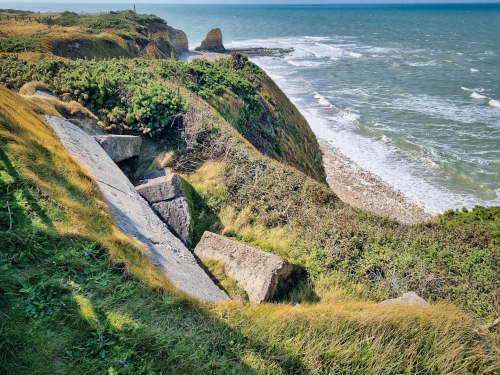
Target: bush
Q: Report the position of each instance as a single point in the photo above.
(20, 44)
(126, 95)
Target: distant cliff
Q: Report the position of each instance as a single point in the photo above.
(106, 35)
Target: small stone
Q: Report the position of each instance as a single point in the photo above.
(410, 298)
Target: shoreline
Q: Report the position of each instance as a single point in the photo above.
(364, 190)
(353, 184)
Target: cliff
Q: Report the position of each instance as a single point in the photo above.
(58, 238)
(90, 299)
(107, 35)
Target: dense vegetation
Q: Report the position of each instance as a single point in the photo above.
(239, 90)
(101, 36)
(20, 44)
(66, 308)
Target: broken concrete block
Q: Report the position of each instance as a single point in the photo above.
(175, 213)
(161, 187)
(120, 147)
(256, 271)
(135, 217)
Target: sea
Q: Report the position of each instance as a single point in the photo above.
(408, 92)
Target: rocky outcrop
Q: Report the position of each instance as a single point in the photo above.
(179, 39)
(120, 147)
(163, 190)
(135, 217)
(212, 42)
(410, 298)
(256, 271)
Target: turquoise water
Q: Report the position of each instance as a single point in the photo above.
(411, 93)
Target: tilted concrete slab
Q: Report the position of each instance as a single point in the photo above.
(256, 271)
(135, 217)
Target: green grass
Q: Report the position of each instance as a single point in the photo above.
(76, 296)
(88, 36)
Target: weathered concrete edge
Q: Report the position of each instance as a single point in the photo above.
(165, 250)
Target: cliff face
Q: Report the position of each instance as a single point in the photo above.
(212, 42)
(114, 34)
(178, 39)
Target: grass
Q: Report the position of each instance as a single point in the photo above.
(66, 308)
(78, 297)
(72, 35)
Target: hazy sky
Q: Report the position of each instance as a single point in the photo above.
(257, 1)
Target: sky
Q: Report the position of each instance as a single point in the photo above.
(258, 1)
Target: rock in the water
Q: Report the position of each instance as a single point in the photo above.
(120, 147)
(410, 298)
(163, 190)
(176, 214)
(213, 42)
(256, 271)
(135, 217)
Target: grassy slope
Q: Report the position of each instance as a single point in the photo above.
(119, 34)
(236, 190)
(274, 206)
(262, 114)
(66, 309)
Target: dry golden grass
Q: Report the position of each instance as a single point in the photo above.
(31, 87)
(26, 27)
(49, 168)
(360, 337)
(55, 107)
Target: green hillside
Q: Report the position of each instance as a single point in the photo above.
(77, 296)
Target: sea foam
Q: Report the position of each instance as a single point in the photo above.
(475, 95)
(494, 103)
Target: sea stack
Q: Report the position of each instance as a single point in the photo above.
(212, 42)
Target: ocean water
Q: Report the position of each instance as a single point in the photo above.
(411, 93)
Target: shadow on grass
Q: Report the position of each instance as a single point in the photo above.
(110, 319)
(297, 288)
(9, 202)
(202, 216)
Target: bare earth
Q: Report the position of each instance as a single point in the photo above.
(363, 189)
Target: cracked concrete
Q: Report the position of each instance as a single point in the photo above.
(135, 217)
